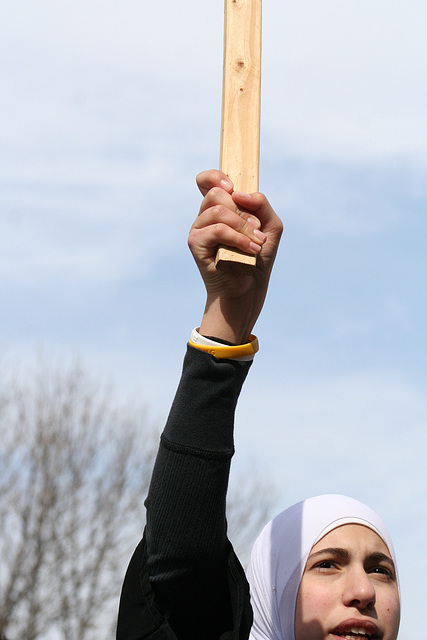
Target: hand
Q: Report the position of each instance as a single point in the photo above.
(244, 221)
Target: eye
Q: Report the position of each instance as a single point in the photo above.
(381, 570)
(325, 565)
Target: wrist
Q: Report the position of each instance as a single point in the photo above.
(227, 320)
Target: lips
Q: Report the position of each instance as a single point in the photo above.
(357, 630)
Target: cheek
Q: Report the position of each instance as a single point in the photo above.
(391, 613)
(313, 607)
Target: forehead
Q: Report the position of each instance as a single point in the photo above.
(349, 536)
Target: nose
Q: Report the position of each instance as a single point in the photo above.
(359, 591)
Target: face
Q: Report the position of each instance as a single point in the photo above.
(348, 589)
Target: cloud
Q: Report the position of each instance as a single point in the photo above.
(347, 80)
(347, 198)
(339, 81)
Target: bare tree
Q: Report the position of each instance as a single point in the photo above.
(74, 466)
(74, 469)
(251, 501)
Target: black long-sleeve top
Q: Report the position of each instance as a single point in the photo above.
(184, 580)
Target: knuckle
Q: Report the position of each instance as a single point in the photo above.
(214, 193)
(220, 228)
(222, 231)
(218, 211)
(191, 238)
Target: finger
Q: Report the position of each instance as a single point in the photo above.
(213, 178)
(219, 214)
(217, 196)
(203, 242)
(250, 201)
(257, 204)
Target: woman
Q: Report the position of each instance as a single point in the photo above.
(184, 581)
(324, 568)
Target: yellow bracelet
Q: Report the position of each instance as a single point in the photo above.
(223, 351)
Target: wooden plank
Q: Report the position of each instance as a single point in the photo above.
(241, 104)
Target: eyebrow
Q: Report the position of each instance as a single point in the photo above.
(377, 556)
(336, 551)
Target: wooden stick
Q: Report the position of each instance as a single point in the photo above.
(241, 102)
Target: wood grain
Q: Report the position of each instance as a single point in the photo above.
(241, 104)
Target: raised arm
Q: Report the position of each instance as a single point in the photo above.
(184, 581)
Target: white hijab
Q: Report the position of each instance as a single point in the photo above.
(280, 553)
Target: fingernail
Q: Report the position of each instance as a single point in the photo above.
(259, 234)
(242, 194)
(252, 221)
(256, 248)
(226, 184)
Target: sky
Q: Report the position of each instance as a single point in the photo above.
(109, 110)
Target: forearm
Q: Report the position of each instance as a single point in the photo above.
(186, 525)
